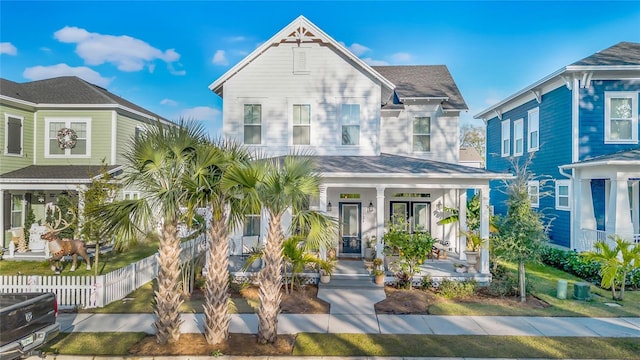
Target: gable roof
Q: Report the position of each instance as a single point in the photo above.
(623, 57)
(299, 30)
(424, 82)
(69, 90)
(470, 154)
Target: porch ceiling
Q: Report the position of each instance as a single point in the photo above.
(398, 166)
(38, 174)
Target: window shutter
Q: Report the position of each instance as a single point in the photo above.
(14, 138)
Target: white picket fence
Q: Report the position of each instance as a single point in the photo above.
(91, 291)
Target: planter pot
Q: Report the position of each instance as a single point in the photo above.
(325, 278)
(368, 253)
(379, 279)
(472, 260)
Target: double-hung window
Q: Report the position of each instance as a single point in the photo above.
(533, 130)
(252, 124)
(251, 225)
(533, 188)
(350, 120)
(68, 137)
(563, 195)
(13, 134)
(421, 134)
(301, 124)
(506, 138)
(518, 137)
(621, 117)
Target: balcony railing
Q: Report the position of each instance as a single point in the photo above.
(589, 237)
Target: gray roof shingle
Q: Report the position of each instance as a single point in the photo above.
(622, 53)
(621, 156)
(389, 164)
(420, 81)
(57, 172)
(66, 90)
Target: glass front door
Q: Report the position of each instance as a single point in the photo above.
(350, 232)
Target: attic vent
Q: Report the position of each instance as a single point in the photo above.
(300, 60)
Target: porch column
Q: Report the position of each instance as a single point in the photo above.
(2, 224)
(462, 222)
(585, 216)
(635, 205)
(379, 220)
(618, 209)
(81, 189)
(484, 229)
(323, 208)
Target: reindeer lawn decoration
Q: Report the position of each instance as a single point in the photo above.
(60, 248)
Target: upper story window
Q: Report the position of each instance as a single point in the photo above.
(131, 195)
(68, 137)
(563, 196)
(518, 137)
(252, 124)
(533, 188)
(621, 117)
(350, 120)
(506, 138)
(421, 134)
(13, 134)
(301, 124)
(533, 130)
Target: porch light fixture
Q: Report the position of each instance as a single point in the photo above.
(370, 208)
(329, 206)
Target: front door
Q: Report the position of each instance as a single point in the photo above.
(350, 232)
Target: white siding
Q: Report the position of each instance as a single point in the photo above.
(398, 130)
(331, 81)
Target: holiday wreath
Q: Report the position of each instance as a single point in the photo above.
(67, 138)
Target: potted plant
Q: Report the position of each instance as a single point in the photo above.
(369, 251)
(378, 275)
(474, 242)
(326, 268)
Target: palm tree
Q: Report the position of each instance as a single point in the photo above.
(284, 184)
(157, 162)
(615, 262)
(228, 202)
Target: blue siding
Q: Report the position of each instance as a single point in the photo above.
(592, 118)
(555, 150)
(598, 190)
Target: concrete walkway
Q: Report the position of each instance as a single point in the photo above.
(373, 324)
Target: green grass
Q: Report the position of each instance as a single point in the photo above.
(107, 262)
(117, 344)
(544, 280)
(105, 343)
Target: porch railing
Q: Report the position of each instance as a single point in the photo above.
(589, 237)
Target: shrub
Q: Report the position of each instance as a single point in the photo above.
(457, 289)
(502, 286)
(427, 282)
(573, 263)
(404, 280)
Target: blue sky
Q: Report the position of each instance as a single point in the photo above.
(162, 55)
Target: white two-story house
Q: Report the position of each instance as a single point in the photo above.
(384, 138)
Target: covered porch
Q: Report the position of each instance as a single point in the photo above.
(34, 189)
(606, 195)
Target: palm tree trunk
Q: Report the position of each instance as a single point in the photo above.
(270, 280)
(624, 280)
(522, 281)
(167, 297)
(216, 307)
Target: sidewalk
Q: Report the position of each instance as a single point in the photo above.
(373, 324)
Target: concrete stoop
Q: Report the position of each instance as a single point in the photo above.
(351, 294)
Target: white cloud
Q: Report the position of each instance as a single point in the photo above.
(125, 52)
(8, 48)
(201, 113)
(374, 62)
(219, 58)
(358, 49)
(401, 57)
(83, 72)
(169, 102)
(233, 39)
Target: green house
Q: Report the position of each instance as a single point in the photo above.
(55, 135)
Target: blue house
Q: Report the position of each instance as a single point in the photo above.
(579, 127)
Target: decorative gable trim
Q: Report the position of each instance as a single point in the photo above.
(299, 31)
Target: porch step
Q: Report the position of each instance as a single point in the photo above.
(350, 281)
